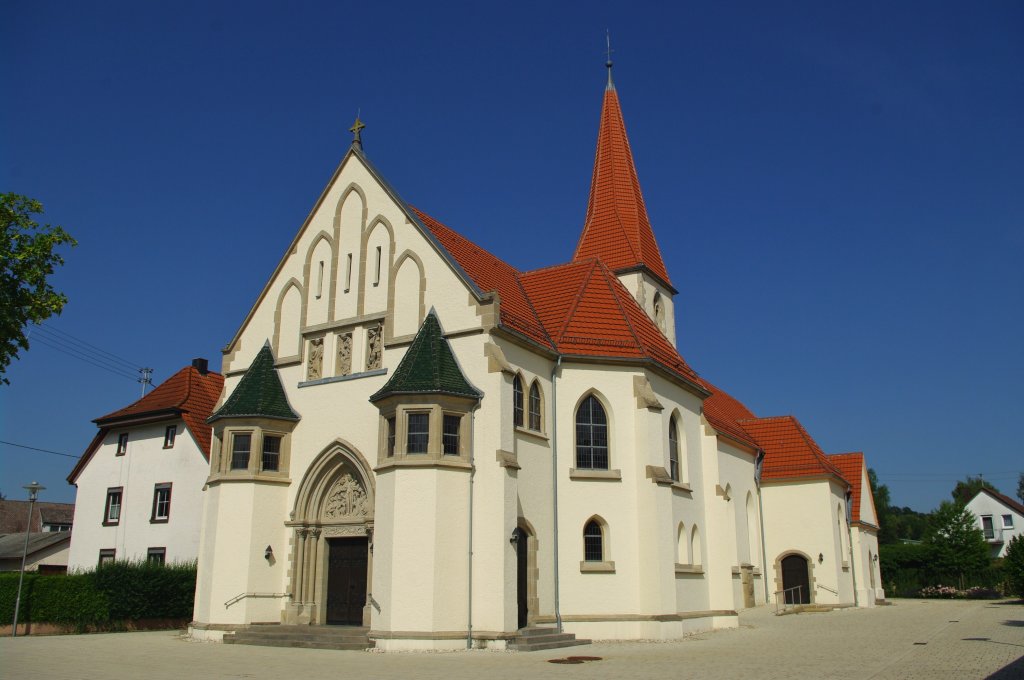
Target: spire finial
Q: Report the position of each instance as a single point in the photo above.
(608, 55)
(356, 130)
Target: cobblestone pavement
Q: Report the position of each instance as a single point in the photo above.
(931, 639)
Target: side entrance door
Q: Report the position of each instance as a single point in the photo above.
(794, 573)
(346, 580)
(521, 587)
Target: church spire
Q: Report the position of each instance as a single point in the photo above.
(617, 229)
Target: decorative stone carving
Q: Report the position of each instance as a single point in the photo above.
(347, 499)
(314, 367)
(375, 338)
(344, 530)
(344, 354)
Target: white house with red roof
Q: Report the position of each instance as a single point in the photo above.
(999, 517)
(421, 440)
(139, 484)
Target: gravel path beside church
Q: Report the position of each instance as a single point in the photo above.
(912, 639)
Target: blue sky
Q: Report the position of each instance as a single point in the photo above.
(837, 190)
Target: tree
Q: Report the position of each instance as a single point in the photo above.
(959, 544)
(966, 489)
(1013, 566)
(880, 492)
(27, 259)
(1020, 487)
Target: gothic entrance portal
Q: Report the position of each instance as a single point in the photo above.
(332, 552)
(346, 580)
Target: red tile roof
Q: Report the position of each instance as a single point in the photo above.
(1005, 500)
(851, 466)
(790, 451)
(724, 412)
(576, 309)
(617, 229)
(188, 394)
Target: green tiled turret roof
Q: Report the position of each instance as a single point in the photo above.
(259, 393)
(428, 367)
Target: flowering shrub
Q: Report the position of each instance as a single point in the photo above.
(950, 593)
(946, 592)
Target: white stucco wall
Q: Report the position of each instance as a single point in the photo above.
(145, 464)
(801, 517)
(984, 505)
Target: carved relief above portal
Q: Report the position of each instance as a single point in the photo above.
(375, 337)
(315, 364)
(344, 354)
(345, 530)
(346, 500)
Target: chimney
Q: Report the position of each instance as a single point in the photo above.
(201, 365)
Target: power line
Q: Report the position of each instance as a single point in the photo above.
(79, 340)
(33, 448)
(75, 347)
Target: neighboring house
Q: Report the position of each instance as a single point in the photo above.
(999, 517)
(47, 552)
(140, 481)
(419, 438)
(45, 516)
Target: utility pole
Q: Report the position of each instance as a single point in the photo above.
(146, 378)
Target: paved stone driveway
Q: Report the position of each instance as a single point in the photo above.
(930, 639)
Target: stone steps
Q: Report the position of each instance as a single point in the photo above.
(303, 637)
(535, 638)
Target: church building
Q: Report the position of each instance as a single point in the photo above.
(420, 439)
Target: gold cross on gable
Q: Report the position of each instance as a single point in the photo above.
(356, 131)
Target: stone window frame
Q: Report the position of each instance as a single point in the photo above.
(674, 466)
(1008, 521)
(122, 444)
(518, 412)
(535, 418)
(257, 428)
(106, 555)
(607, 473)
(607, 433)
(602, 565)
(437, 406)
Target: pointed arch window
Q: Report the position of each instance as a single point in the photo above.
(673, 448)
(591, 435)
(593, 542)
(517, 401)
(534, 407)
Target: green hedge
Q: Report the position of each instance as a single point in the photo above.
(106, 598)
(908, 568)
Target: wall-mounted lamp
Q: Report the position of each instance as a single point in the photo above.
(821, 558)
(516, 533)
(268, 553)
(875, 558)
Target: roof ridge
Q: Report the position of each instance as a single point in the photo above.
(533, 309)
(571, 312)
(622, 310)
(571, 263)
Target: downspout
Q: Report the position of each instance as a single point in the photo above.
(469, 556)
(554, 482)
(758, 466)
(849, 542)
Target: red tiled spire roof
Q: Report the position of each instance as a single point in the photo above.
(617, 229)
(789, 450)
(579, 308)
